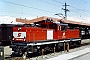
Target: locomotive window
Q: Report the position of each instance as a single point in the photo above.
(43, 26)
(52, 26)
(63, 28)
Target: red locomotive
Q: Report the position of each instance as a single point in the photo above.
(32, 34)
(44, 35)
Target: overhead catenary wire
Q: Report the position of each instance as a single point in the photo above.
(49, 3)
(79, 9)
(62, 3)
(58, 1)
(72, 6)
(85, 2)
(42, 9)
(14, 12)
(76, 11)
(28, 6)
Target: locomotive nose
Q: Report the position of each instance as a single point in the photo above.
(19, 36)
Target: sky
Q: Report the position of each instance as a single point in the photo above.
(79, 10)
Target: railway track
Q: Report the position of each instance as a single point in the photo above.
(84, 44)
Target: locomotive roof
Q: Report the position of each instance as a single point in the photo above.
(54, 20)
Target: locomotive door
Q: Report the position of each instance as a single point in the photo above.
(49, 34)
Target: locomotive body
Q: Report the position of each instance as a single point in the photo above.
(49, 35)
(30, 34)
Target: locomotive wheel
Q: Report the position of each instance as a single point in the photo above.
(72, 44)
(59, 47)
(78, 43)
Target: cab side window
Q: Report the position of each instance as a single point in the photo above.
(63, 28)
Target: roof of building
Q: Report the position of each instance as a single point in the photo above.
(54, 19)
(35, 20)
(74, 22)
